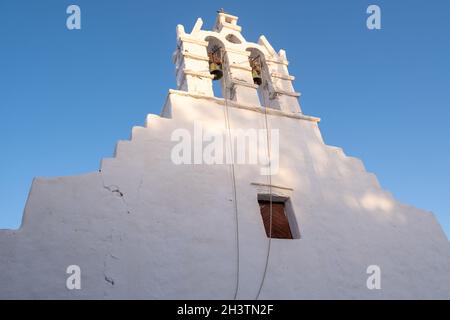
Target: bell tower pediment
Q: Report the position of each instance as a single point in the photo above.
(226, 21)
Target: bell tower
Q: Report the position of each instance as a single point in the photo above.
(249, 73)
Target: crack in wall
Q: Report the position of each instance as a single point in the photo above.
(114, 189)
(106, 277)
(109, 280)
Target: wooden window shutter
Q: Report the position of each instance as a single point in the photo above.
(280, 222)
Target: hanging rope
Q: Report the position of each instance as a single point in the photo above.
(228, 126)
(234, 189)
(268, 141)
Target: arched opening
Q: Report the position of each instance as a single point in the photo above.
(260, 74)
(217, 65)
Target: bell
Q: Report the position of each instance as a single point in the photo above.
(215, 62)
(255, 63)
(256, 77)
(216, 70)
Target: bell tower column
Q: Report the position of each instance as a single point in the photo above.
(282, 92)
(239, 80)
(191, 63)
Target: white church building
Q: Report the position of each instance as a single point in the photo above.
(158, 221)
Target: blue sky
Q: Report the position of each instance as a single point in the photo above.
(66, 97)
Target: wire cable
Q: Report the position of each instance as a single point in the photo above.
(233, 174)
(268, 140)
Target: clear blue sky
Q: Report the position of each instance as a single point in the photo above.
(66, 97)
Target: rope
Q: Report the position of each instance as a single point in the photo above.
(232, 166)
(268, 138)
(227, 122)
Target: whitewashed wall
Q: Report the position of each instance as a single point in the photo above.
(172, 234)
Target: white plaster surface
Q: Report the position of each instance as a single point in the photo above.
(143, 227)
